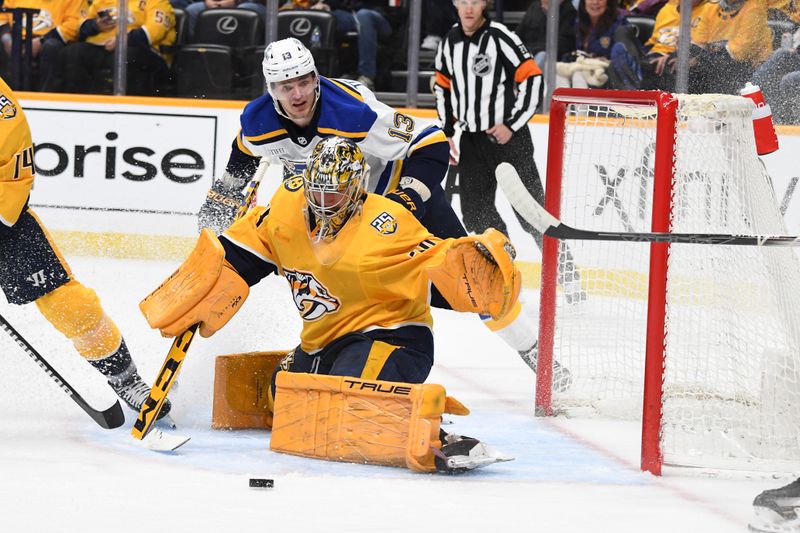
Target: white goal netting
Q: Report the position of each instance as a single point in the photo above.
(732, 324)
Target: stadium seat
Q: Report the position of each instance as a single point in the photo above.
(302, 24)
(236, 28)
(217, 63)
(644, 27)
(205, 71)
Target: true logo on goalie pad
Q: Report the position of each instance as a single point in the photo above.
(311, 297)
(385, 223)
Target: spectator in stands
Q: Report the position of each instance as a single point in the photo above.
(86, 64)
(658, 68)
(597, 24)
(731, 39)
(438, 16)
(779, 79)
(194, 9)
(598, 20)
(54, 26)
(645, 8)
(367, 18)
(180, 4)
(532, 30)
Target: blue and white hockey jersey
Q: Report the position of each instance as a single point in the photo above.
(395, 144)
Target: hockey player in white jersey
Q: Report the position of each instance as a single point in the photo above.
(408, 156)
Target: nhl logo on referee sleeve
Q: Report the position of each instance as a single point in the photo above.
(481, 64)
(385, 223)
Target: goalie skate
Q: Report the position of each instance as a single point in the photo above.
(777, 510)
(462, 454)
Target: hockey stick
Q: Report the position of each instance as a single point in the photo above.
(110, 418)
(148, 414)
(549, 225)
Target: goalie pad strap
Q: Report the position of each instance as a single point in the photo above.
(357, 420)
(478, 274)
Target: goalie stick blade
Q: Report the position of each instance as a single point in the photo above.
(549, 225)
(160, 441)
(521, 199)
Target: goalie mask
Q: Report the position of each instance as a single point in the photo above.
(334, 179)
(287, 65)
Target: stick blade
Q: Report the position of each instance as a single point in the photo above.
(521, 199)
(160, 441)
(111, 418)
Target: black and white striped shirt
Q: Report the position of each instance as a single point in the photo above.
(484, 80)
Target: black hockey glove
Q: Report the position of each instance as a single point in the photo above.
(412, 194)
(410, 199)
(222, 203)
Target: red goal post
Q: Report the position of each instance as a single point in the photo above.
(651, 323)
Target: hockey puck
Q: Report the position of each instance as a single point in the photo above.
(261, 483)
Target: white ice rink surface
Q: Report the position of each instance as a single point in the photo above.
(59, 472)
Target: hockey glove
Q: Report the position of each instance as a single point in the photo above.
(410, 199)
(221, 205)
(204, 290)
(478, 274)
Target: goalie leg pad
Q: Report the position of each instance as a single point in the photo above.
(358, 420)
(478, 275)
(205, 289)
(241, 390)
(75, 311)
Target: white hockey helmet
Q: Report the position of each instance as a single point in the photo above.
(287, 59)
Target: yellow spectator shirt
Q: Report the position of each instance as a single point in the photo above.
(156, 17)
(748, 36)
(63, 15)
(668, 22)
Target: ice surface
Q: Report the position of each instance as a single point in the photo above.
(61, 472)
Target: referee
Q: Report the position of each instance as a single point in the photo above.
(487, 86)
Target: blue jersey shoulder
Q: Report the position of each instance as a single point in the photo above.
(344, 111)
(259, 117)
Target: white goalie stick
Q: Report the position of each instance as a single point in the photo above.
(533, 212)
(143, 429)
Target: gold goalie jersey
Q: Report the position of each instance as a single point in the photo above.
(16, 157)
(372, 276)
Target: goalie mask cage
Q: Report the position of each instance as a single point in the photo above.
(700, 341)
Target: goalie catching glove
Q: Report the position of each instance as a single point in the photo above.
(478, 274)
(222, 204)
(204, 290)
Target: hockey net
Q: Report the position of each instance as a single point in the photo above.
(701, 342)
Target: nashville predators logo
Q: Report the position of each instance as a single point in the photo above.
(605, 42)
(286, 362)
(311, 298)
(7, 108)
(385, 223)
(293, 183)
